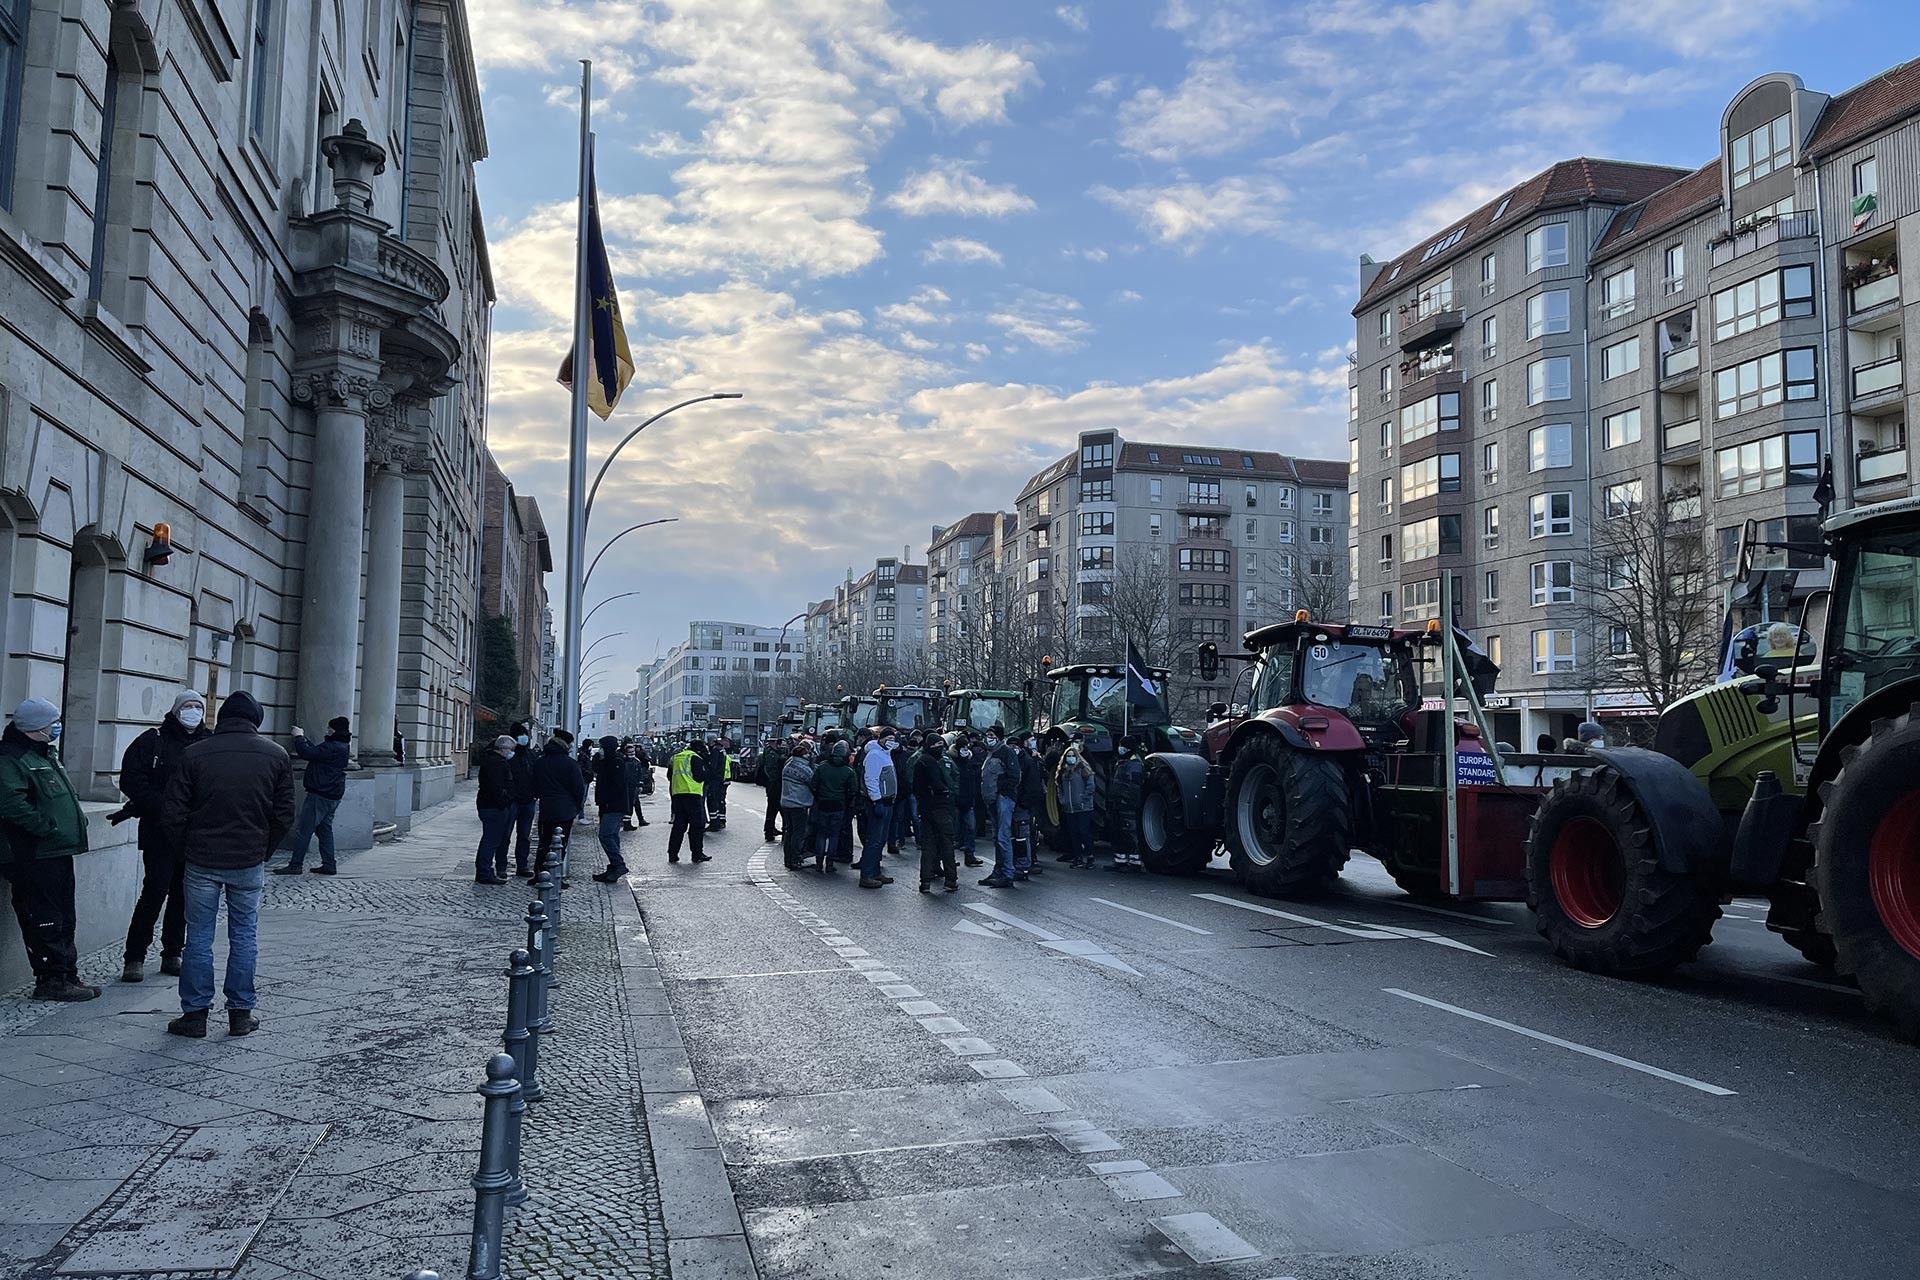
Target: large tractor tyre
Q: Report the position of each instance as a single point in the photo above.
(1596, 888)
(1168, 847)
(1418, 882)
(1289, 820)
(1866, 867)
(1048, 826)
(1815, 947)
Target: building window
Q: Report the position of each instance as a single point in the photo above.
(1548, 312)
(1490, 525)
(1552, 652)
(1386, 326)
(1386, 551)
(1550, 379)
(1751, 303)
(1866, 178)
(1425, 539)
(1153, 489)
(1286, 499)
(1444, 243)
(1320, 535)
(1436, 295)
(1549, 515)
(1489, 336)
(1424, 417)
(1096, 490)
(1318, 568)
(1096, 455)
(1429, 476)
(1547, 246)
(1419, 600)
(1619, 642)
(13, 56)
(1490, 588)
(1203, 595)
(1771, 463)
(1493, 650)
(1203, 526)
(1755, 384)
(1386, 606)
(1676, 269)
(1097, 592)
(1620, 359)
(1757, 154)
(1201, 561)
(1550, 446)
(264, 77)
(1616, 294)
(1096, 557)
(1489, 273)
(1490, 399)
(104, 180)
(1623, 499)
(1253, 496)
(1386, 495)
(1386, 379)
(1552, 582)
(1620, 428)
(1253, 528)
(1286, 526)
(1203, 492)
(1490, 462)
(1153, 524)
(1096, 524)
(1322, 505)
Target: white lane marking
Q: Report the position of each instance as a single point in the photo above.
(1442, 911)
(1087, 1142)
(850, 952)
(999, 1069)
(944, 1026)
(1426, 935)
(920, 1008)
(968, 1047)
(979, 930)
(1556, 1041)
(1082, 949)
(1117, 1166)
(777, 973)
(1033, 1100)
(1144, 1185)
(1204, 1238)
(1377, 934)
(897, 990)
(877, 976)
(995, 913)
(1135, 911)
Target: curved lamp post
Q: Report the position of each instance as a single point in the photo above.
(597, 643)
(604, 603)
(644, 524)
(602, 473)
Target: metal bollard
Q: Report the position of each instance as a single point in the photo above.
(538, 1027)
(519, 983)
(549, 889)
(491, 1182)
(423, 1275)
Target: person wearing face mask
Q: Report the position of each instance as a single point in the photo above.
(1073, 783)
(526, 800)
(882, 789)
(41, 830)
(326, 786)
(965, 753)
(494, 800)
(145, 770)
(999, 792)
(936, 784)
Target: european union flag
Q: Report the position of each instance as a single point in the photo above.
(612, 361)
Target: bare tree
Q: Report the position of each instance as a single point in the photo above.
(1324, 595)
(1138, 605)
(1649, 602)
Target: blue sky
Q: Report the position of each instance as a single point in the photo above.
(930, 242)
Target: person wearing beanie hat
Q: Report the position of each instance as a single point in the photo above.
(326, 786)
(228, 805)
(613, 796)
(562, 793)
(145, 770)
(41, 829)
(494, 800)
(525, 802)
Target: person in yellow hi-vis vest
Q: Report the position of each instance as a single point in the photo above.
(686, 786)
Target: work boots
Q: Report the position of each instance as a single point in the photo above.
(65, 990)
(241, 1021)
(134, 971)
(191, 1024)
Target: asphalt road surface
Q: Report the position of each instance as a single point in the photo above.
(1104, 1073)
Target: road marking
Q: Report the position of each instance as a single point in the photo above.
(878, 976)
(1135, 911)
(1032, 1100)
(897, 990)
(999, 1069)
(1204, 1238)
(1575, 1046)
(777, 973)
(915, 1146)
(995, 913)
(944, 1026)
(1442, 911)
(1082, 949)
(979, 930)
(1376, 934)
(1815, 983)
(920, 1008)
(1424, 935)
(968, 1047)
(1141, 1185)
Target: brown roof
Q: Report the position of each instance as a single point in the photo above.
(977, 525)
(1570, 182)
(912, 573)
(1685, 200)
(1891, 96)
(1266, 464)
(1321, 471)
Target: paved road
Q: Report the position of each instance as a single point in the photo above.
(1103, 1074)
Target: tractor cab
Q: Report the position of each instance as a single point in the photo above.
(908, 708)
(1090, 703)
(978, 710)
(818, 718)
(859, 712)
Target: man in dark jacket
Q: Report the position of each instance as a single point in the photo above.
(639, 779)
(326, 784)
(966, 818)
(719, 774)
(228, 806)
(936, 786)
(773, 763)
(525, 803)
(42, 829)
(1032, 801)
(613, 796)
(999, 796)
(686, 786)
(562, 794)
(145, 770)
(494, 800)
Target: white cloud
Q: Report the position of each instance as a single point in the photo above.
(951, 186)
(1074, 15)
(1213, 111)
(1106, 86)
(1697, 28)
(969, 85)
(1044, 320)
(978, 351)
(1127, 295)
(1187, 213)
(919, 309)
(959, 249)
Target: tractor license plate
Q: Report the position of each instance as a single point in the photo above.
(1370, 633)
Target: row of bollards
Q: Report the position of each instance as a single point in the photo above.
(513, 1075)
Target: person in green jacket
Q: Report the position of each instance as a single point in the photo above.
(41, 831)
(834, 789)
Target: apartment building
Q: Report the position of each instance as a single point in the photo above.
(954, 587)
(717, 661)
(880, 616)
(1607, 336)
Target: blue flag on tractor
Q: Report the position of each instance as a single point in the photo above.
(612, 360)
(1142, 689)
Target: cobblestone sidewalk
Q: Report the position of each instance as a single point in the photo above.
(338, 1141)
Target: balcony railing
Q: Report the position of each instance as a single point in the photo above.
(1793, 226)
(1872, 379)
(1673, 284)
(1884, 465)
(1680, 360)
(1423, 383)
(1687, 508)
(1681, 435)
(1429, 325)
(1872, 293)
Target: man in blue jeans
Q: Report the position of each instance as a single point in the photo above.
(228, 805)
(326, 784)
(877, 775)
(999, 792)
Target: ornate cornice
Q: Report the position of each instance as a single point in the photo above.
(338, 388)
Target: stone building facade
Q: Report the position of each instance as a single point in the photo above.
(244, 298)
(515, 559)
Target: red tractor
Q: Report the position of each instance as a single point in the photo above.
(1338, 749)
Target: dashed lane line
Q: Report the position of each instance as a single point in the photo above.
(1365, 928)
(1571, 1045)
(1135, 911)
(1425, 935)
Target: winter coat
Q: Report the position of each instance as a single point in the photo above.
(719, 770)
(230, 802)
(147, 767)
(935, 783)
(796, 783)
(326, 765)
(834, 786)
(522, 766)
(968, 767)
(773, 768)
(611, 790)
(1075, 787)
(1033, 784)
(40, 815)
(877, 774)
(999, 775)
(557, 784)
(637, 777)
(496, 782)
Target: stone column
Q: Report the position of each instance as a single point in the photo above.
(380, 659)
(330, 595)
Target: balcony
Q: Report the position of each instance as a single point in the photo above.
(1425, 327)
(1201, 507)
(1419, 385)
(1676, 436)
(1795, 226)
(1873, 302)
(1684, 506)
(1877, 386)
(1682, 364)
(1880, 467)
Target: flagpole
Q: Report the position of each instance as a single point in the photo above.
(1126, 683)
(583, 374)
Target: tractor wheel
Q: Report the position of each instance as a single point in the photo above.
(1048, 825)
(1815, 947)
(1167, 846)
(1596, 887)
(1418, 882)
(1289, 820)
(1866, 867)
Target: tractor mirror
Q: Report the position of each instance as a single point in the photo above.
(1216, 710)
(1209, 662)
(1749, 536)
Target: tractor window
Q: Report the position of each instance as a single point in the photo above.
(909, 713)
(1880, 636)
(865, 715)
(990, 713)
(1107, 698)
(1356, 680)
(1273, 681)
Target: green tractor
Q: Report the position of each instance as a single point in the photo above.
(909, 707)
(1792, 781)
(978, 710)
(1090, 707)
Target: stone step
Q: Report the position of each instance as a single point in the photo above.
(385, 832)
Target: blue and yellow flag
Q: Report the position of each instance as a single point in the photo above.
(612, 361)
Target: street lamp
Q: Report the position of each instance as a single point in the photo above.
(644, 524)
(604, 603)
(602, 473)
(597, 643)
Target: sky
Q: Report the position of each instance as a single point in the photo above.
(930, 242)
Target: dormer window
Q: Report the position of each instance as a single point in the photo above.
(1755, 155)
